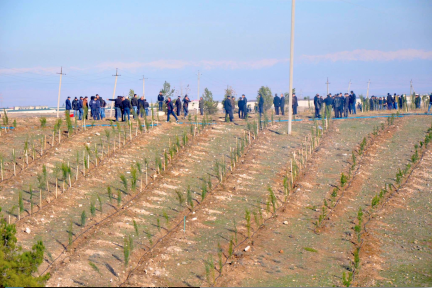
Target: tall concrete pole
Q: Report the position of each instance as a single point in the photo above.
(58, 100)
(349, 86)
(291, 68)
(115, 86)
(367, 93)
(198, 93)
(143, 79)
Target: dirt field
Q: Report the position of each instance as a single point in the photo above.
(232, 236)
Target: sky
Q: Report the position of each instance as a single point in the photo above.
(241, 43)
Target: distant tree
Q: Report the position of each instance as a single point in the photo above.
(131, 93)
(166, 90)
(267, 95)
(16, 267)
(210, 106)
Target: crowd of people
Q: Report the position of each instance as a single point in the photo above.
(341, 104)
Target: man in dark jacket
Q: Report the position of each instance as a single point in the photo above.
(401, 101)
(141, 108)
(430, 102)
(317, 106)
(201, 105)
(160, 100)
(68, 105)
(353, 100)
(75, 107)
(228, 108)
(276, 103)
(170, 109)
(260, 104)
(347, 103)
(417, 101)
(186, 102)
(328, 104)
(80, 108)
(178, 105)
(240, 105)
(94, 106)
(389, 101)
(282, 104)
(117, 107)
(337, 102)
(134, 103)
(294, 104)
(126, 108)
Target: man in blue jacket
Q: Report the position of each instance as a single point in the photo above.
(170, 109)
(95, 107)
(117, 107)
(80, 108)
(160, 100)
(282, 104)
(353, 100)
(317, 105)
(228, 108)
(276, 103)
(75, 107)
(68, 105)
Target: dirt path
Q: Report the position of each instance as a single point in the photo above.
(286, 261)
(397, 246)
(180, 260)
(103, 247)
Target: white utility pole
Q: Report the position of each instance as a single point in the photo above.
(291, 68)
(327, 86)
(113, 97)
(349, 86)
(367, 93)
(143, 79)
(58, 100)
(411, 88)
(198, 93)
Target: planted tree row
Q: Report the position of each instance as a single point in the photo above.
(378, 201)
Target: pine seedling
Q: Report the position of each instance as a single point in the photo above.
(180, 198)
(93, 265)
(256, 218)
(248, 221)
(119, 197)
(209, 183)
(134, 175)
(220, 254)
(149, 236)
(230, 248)
(131, 243)
(70, 233)
(124, 182)
(20, 202)
(83, 218)
(165, 215)
(126, 251)
(272, 198)
(100, 202)
(360, 215)
(375, 201)
(189, 197)
(343, 179)
(136, 228)
(43, 122)
(354, 159)
(356, 258)
(203, 190)
(109, 193)
(158, 224)
(31, 199)
(347, 280)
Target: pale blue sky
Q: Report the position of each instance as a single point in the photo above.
(241, 43)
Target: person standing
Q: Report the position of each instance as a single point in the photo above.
(170, 109)
(68, 105)
(245, 105)
(328, 104)
(430, 103)
(80, 108)
(102, 108)
(353, 100)
(141, 107)
(401, 102)
(75, 107)
(126, 108)
(389, 101)
(347, 103)
(94, 106)
(185, 106)
(228, 108)
(276, 103)
(178, 105)
(85, 106)
(201, 106)
(396, 101)
(160, 99)
(240, 105)
(260, 104)
(282, 104)
(417, 101)
(294, 104)
(317, 106)
(134, 103)
(337, 102)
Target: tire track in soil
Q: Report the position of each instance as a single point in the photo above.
(323, 268)
(277, 246)
(66, 150)
(397, 248)
(104, 245)
(50, 225)
(179, 261)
